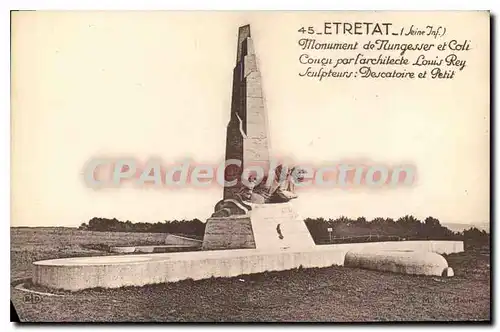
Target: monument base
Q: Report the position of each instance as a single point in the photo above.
(266, 226)
(233, 232)
(138, 270)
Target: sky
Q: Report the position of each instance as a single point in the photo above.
(158, 84)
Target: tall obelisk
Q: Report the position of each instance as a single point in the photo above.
(247, 131)
(236, 223)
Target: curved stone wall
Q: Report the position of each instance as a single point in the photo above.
(138, 270)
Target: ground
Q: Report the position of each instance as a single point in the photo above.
(328, 294)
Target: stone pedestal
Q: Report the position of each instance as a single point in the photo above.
(233, 232)
(267, 226)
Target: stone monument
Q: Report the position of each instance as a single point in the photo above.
(255, 216)
(254, 212)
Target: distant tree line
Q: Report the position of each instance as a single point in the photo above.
(405, 227)
(194, 227)
(474, 237)
(343, 229)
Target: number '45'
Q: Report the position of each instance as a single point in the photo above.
(310, 30)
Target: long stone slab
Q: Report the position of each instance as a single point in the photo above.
(154, 248)
(137, 270)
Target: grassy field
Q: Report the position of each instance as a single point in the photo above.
(329, 294)
(34, 244)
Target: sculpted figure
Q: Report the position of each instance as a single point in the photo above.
(281, 189)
